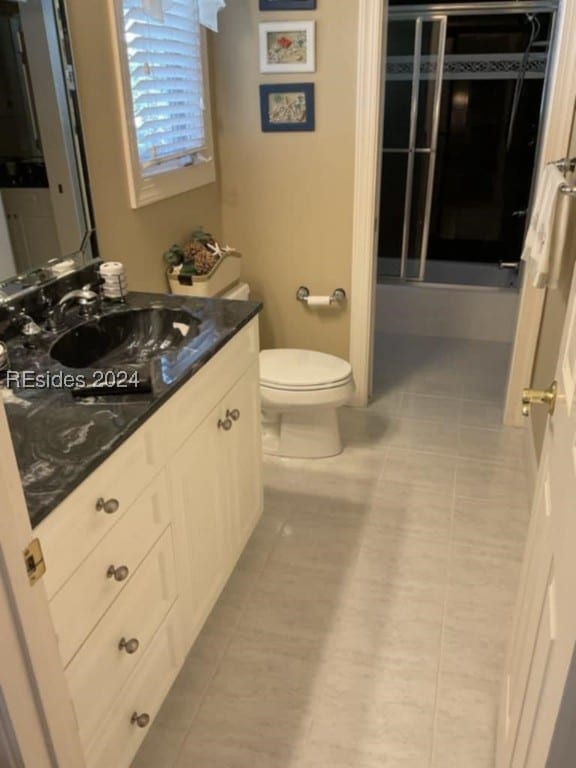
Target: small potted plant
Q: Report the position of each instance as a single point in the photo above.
(201, 266)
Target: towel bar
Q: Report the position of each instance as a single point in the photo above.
(566, 189)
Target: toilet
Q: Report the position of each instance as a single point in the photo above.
(301, 392)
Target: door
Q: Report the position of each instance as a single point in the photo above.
(415, 65)
(37, 726)
(543, 638)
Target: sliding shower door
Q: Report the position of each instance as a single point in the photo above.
(415, 65)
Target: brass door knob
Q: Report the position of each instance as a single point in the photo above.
(225, 424)
(234, 414)
(540, 397)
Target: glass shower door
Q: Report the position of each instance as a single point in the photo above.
(415, 64)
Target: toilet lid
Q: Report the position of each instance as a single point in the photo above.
(302, 369)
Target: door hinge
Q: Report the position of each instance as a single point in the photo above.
(34, 559)
(70, 77)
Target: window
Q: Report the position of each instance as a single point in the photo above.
(163, 75)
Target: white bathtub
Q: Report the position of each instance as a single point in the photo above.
(455, 311)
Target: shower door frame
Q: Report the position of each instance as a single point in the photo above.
(413, 150)
(441, 12)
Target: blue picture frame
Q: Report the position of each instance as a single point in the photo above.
(298, 111)
(287, 5)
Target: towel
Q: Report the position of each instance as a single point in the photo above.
(209, 13)
(545, 242)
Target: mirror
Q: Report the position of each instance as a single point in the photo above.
(45, 212)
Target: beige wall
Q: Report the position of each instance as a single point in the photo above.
(136, 237)
(287, 198)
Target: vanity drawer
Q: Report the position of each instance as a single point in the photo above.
(72, 531)
(185, 411)
(118, 739)
(81, 602)
(101, 667)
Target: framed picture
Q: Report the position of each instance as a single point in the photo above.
(287, 107)
(287, 5)
(287, 46)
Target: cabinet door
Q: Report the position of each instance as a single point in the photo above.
(243, 450)
(199, 505)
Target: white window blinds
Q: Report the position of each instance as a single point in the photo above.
(164, 56)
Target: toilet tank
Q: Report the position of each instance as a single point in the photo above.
(240, 292)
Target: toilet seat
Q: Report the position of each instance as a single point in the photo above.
(302, 370)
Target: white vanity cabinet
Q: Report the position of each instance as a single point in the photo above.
(138, 554)
(216, 482)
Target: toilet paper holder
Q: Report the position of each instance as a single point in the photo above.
(337, 296)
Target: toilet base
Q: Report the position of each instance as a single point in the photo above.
(301, 433)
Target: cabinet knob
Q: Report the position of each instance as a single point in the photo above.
(130, 646)
(120, 573)
(234, 414)
(140, 720)
(107, 505)
(225, 424)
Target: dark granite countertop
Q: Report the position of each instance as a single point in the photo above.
(60, 439)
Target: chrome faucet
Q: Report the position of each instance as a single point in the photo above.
(87, 299)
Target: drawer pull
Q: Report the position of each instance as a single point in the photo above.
(120, 573)
(130, 646)
(225, 424)
(107, 505)
(140, 720)
(234, 414)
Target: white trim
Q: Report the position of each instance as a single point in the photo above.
(32, 678)
(367, 159)
(144, 190)
(309, 27)
(554, 145)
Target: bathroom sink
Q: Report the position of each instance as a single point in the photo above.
(126, 337)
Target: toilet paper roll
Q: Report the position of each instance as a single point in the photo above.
(318, 301)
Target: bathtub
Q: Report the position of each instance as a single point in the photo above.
(455, 311)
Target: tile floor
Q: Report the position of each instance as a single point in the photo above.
(365, 624)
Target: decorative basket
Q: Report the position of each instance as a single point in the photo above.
(223, 276)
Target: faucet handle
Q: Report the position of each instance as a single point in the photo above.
(26, 324)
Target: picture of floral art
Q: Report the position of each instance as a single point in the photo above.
(287, 107)
(287, 47)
